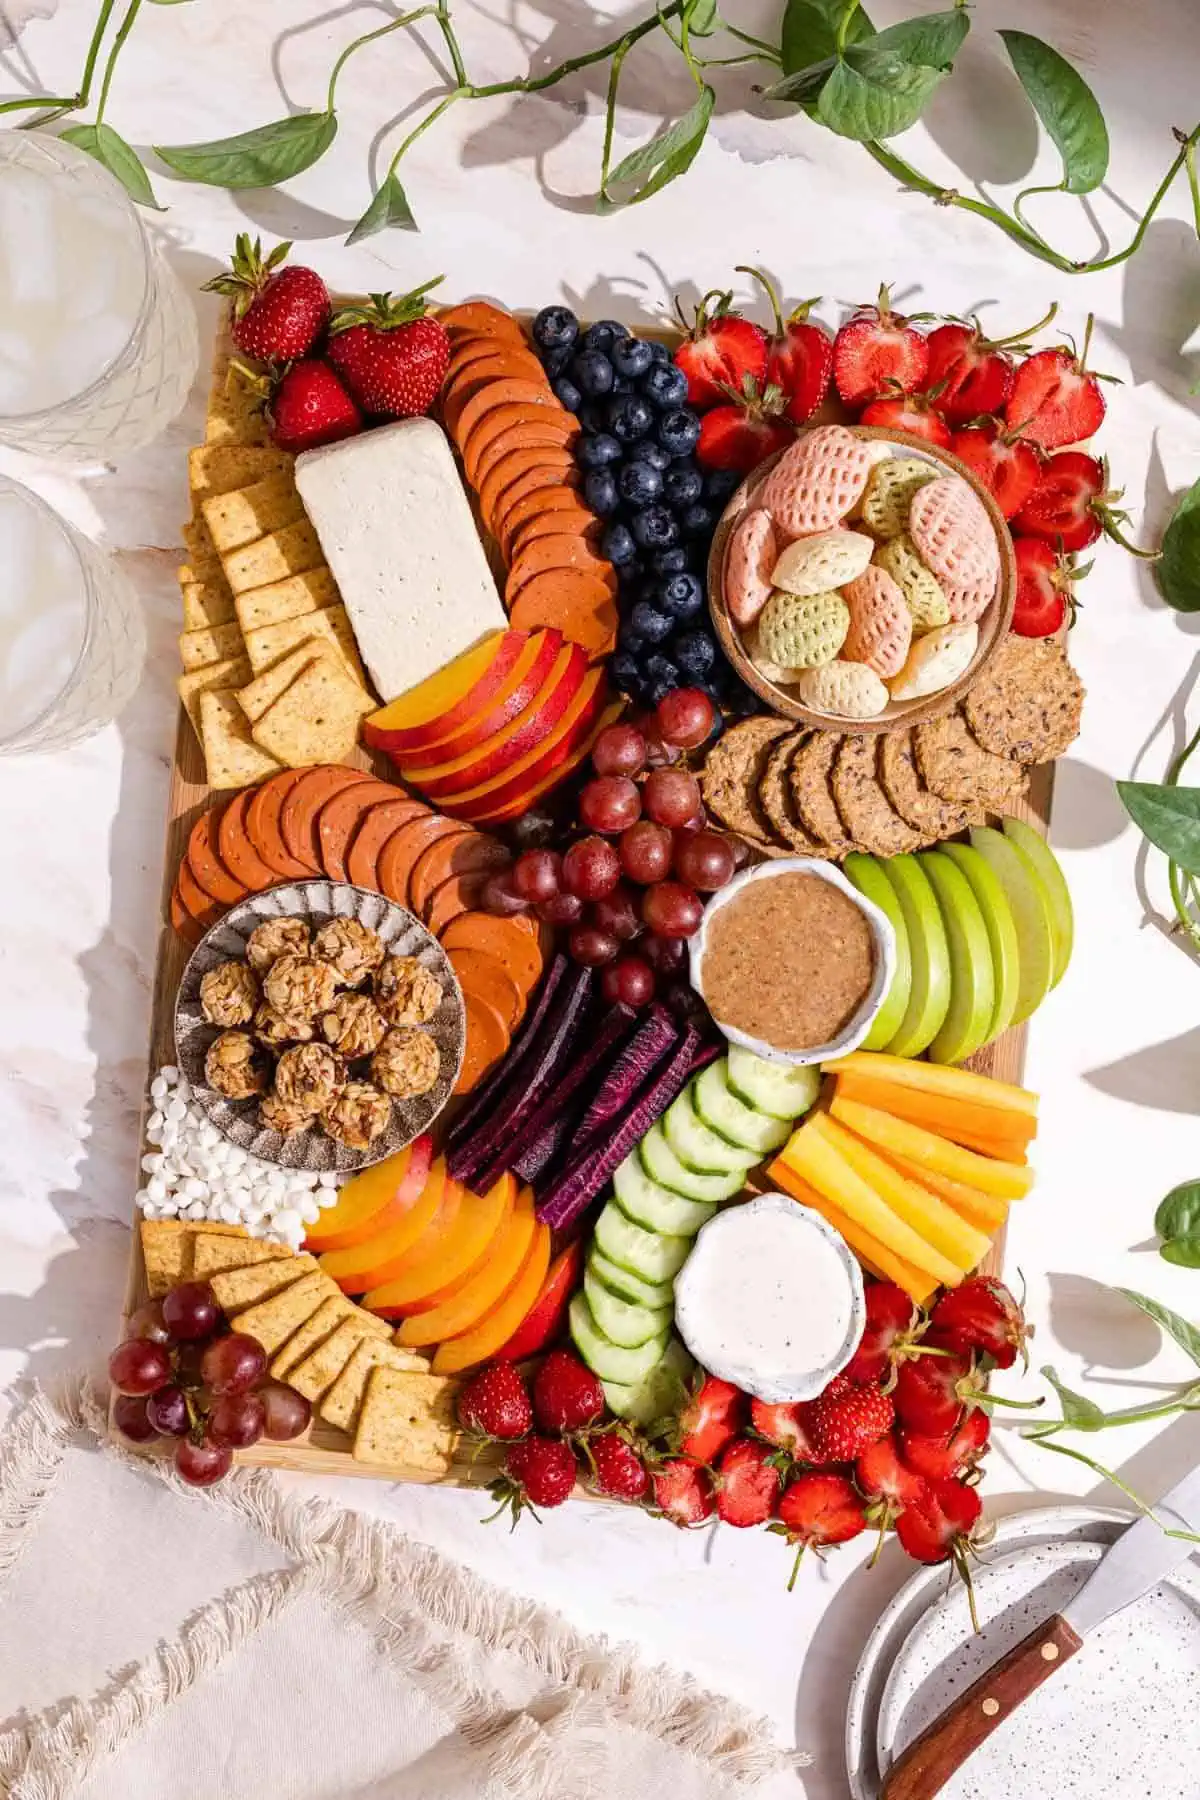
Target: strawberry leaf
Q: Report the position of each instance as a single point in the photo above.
(259, 158)
(667, 155)
(1067, 107)
(1178, 569)
(1169, 817)
(389, 208)
(1184, 1334)
(110, 149)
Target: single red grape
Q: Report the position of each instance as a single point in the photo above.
(167, 1411)
(191, 1312)
(139, 1367)
(705, 859)
(645, 851)
(201, 1464)
(233, 1364)
(286, 1412)
(562, 909)
(498, 896)
(619, 750)
(609, 804)
(592, 947)
(131, 1418)
(658, 754)
(672, 910)
(591, 868)
(665, 955)
(671, 796)
(741, 852)
(535, 875)
(237, 1420)
(148, 1322)
(685, 717)
(618, 913)
(629, 980)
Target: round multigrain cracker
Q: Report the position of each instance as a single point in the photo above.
(956, 767)
(814, 484)
(812, 796)
(867, 813)
(935, 819)
(775, 797)
(732, 771)
(1027, 703)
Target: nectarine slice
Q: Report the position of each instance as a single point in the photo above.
(366, 1264)
(499, 813)
(475, 1298)
(514, 781)
(374, 1200)
(448, 696)
(498, 1325)
(518, 690)
(451, 1254)
(437, 776)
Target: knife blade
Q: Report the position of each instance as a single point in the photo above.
(1140, 1558)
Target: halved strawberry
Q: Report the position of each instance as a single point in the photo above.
(1045, 589)
(1073, 503)
(892, 1331)
(888, 1483)
(941, 1526)
(747, 1483)
(721, 351)
(782, 1424)
(711, 1419)
(739, 435)
(933, 1459)
(915, 413)
(973, 374)
(799, 354)
(682, 1492)
(1007, 466)
(878, 352)
(819, 1509)
(1055, 399)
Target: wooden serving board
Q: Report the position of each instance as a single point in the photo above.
(326, 1450)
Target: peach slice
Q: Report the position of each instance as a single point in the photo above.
(374, 1200)
(462, 1310)
(451, 1255)
(513, 808)
(445, 776)
(378, 1258)
(518, 690)
(497, 1326)
(551, 753)
(447, 698)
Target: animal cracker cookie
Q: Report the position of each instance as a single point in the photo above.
(847, 690)
(956, 767)
(923, 597)
(753, 552)
(803, 632)
(732, 772)
(935, 660)
(934, 818)
(814, 565)
(880, 623)
(808, 777)
(954, 537)
(775, 797)
(889, 492)
(814, 484)
(867, 813)
(1027, 703)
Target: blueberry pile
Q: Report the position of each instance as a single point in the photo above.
(659, 508)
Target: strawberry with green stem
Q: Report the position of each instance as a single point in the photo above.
(878, 352)
(748, 1482)
(538, 1471)
(982, 1317)
(749, 427)
(782, 1423)
(711, 1418)
(1046, 597)
(918, 414)
(1003, 461)
(818, 1509)
(279, 312)
(939, 1458)
(892, 1332)
(941, 1525)
(888, 1484)
(493, 1403)
(309, 406)
(567, 1396)
(843, 1424)
(617, 1468)
(799, 353)
(1056, 398)
(683, 1492)
(390, 353)
(974, 374)
(1072, 504)
(721, 350)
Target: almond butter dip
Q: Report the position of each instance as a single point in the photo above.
(790, 960)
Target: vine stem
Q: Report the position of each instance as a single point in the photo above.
(123, 32)
(369, 37)
(535, 84)
(1098, 1468)
(65, 103)
(431, 118)
(1179, 882)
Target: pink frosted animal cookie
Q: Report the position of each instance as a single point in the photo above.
(956, 542)
(880, 622)
(753, 553)
(814, 484)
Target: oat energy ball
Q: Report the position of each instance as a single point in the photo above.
(285, 1116)
(406, 1064)
(358, 1116)
(300, 987)
(236, 1067)
(277, 1031)
(349, 947)
(354, 1026)
(229, 994)
(275, 938)
(406, 992)
(310, 1075)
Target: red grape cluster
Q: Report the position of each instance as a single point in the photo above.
(645, 862)
(182, 1374)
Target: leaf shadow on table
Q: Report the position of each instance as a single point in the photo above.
(1160, 310)
(1164, 1077)
(1087, 810)
(1094, 1322)
(71, 1320)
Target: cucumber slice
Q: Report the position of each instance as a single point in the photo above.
(644, 1201)
(756, 1133)
(625, 1284)
(696, 1144)
(663, 1166)
(663, 1391)
(612, 1362)
(647, 1253)
(621, 1321)
(776, 1088)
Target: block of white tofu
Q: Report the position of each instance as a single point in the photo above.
(396, 527)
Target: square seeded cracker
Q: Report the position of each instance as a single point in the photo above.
(292, 550)
(216, 1254)
(407, 1421)
(212, 677)
(241, 1287)
(315, 719)
(344, 1399)
(266, 645)
(273, 1321)
(244, 515)
(231, 757)
(212, 643)
(328, 1316)
(290, 599)
(257, 696)
(206, 604)
(219, 468)
(167, 1254)
(320, 1369)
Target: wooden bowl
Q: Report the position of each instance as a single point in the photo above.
(993, 626)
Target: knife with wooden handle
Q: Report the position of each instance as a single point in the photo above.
(1143, 1555)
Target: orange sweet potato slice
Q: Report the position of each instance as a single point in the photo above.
(479, 972)
(206, 866)
(534, 504)
(236, 850)
(470, 853)
(576, 604)
(263, 824)
(546, 472)
(340, 818)
(394, 865)
(377, 826)
(506, 363)
(200, 907)
(488, 1038)
(501, 393)
(480, 318)
(517, 461)
(572, 521)
(513, 945)
(560, 550)
(525, 426)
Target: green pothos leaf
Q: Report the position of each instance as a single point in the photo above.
(1184, 1334)
(1169, 817)
(118, 157)
(259, 158)
(809, 34)
(389, 208)
(1078, 1412)
(932, 40)
(875, 94)
(878, 83)
(702, 17)
(647, 170)
(1067, 107)
(1177, 570)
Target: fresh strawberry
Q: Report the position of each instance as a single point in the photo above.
(783, 1424)
(799, 354)
(390, 355)
(1055, 400)
(539, 1471)
(494, 1402)
(940, 1525)
(893, 1328)
(843, 1425)
(973, 374)
(819, 1509)
(683, 1492)
(931, 1392)
(1045, 589)
(278, 313)
(1007, 466)
(310, 407)
(617, 1469)
(983, 1316)
(886, 1480)
(935, 1459)
(1073, 503)
(915, 413)
(722, 350)
(566, 1395)
(711, 1419)
(747, 1483)
(878, 353)
(739, 435)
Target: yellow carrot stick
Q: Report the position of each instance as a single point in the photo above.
(971, 1203)
(1006, 1180)
(936, 1222)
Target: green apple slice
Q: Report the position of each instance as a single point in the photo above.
(1046, 866)
(874, 885)
(1001, 930)
(929, 994)
(1031, 915)
(972, 984)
